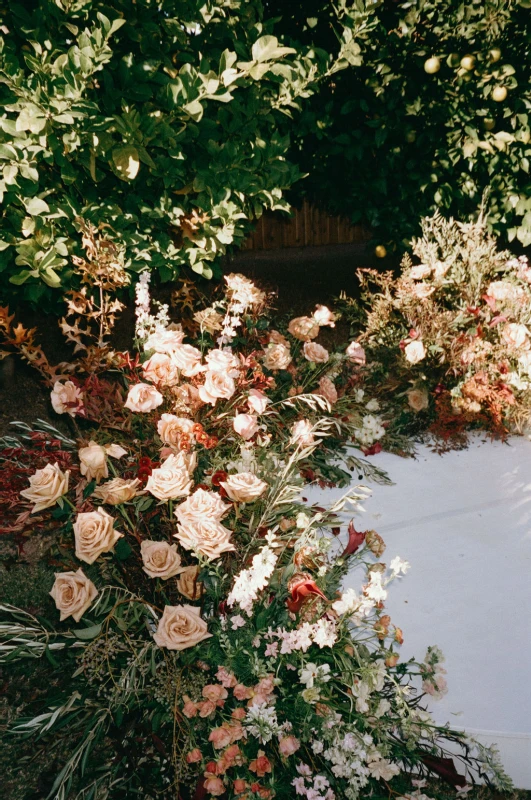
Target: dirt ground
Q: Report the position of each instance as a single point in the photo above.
(301, 278)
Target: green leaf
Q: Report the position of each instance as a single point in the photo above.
(8, 152)
(122, 549)
(88, 633)
(36, 206)
(126, 161)
(21, 278)
(266, 48)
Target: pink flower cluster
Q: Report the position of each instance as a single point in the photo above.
(312, 787)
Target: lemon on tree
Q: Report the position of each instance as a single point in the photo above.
(468, 62)
(499, 93)
(432, 65)
(495, 54)
(489, 124)
(380, 251)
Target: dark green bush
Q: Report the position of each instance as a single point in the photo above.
(390, 143)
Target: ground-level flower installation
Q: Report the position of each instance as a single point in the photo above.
(207, 646)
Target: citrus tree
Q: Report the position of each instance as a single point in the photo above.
(438, 112)
(165, 124)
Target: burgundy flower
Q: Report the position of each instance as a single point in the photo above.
(355, 540)
(300, 592)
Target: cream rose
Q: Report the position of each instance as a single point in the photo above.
(188, 359)
(188, 583)
(171, 480)
(302, 433)
(170, 428)
(356, 354)
(304, 328)
(117, 491)
(277, 356)
(275, 337)
(257, 401)
(328, 390)
(181, 627)
(414, 352)
(46, 486)
(217, 385)
(160, 369)
(73, 593)
(143, 398)
(165, 341)
(243, 290)
(244, 487)
(208, 537)
(246, 425)
(223, 361)
(160, 559)
(418, 399)
(323, 316)
(94, 534)
(93, 461)
(201, 506)
(515, 336)
(66, 398)
(315, 352)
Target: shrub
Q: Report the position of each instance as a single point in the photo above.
(165, 124)
(438, 111)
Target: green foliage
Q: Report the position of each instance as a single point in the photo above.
(398, 138)
(166, 124)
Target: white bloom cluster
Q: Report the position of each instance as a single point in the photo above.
(350, 604)
(262, 723)
(371, 430)
(314, 673)
(242, 294)
(313, 787)
(250, 582)
(146, 323)
(322, 633)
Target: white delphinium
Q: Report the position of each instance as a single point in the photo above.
(250, 582)
(146, 323)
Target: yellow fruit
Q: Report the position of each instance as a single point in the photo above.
(411, 136)
(495, 54)
(432, 65)
(489, 124)
(499, 93)
(468, 62)
(380, 251)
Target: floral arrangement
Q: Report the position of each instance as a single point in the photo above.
(449, 338)
(198, 615)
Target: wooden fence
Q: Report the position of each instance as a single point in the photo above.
(308, 225)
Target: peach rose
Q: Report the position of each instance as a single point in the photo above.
(188, 359)
(261, 764)
(315, 353)
(246, 425)
(217, 385)
(323, 316)
(220, 737)
(516, 336)
(46, 486)
(66, 398)
(288, 745)
(94, 534)
(181, 627)
(143, 398)
(160, 559)
(240, 785)
(214, 785)
(304, 328)
(275, 337)
(201, 506)
(188, 583)
(117, 491)
(73, 593)
(170, 428)
(257, 401)
(93, 461)
(415, 352)
(418, 399)
(210, 538)
(215, 692)
(244, 487)
(194, 756)
(302, 433)
(165, 341)
(171, 480)
(223, 361)
(328, 390)
(356, 354)
(277, 356)
(161, 370)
